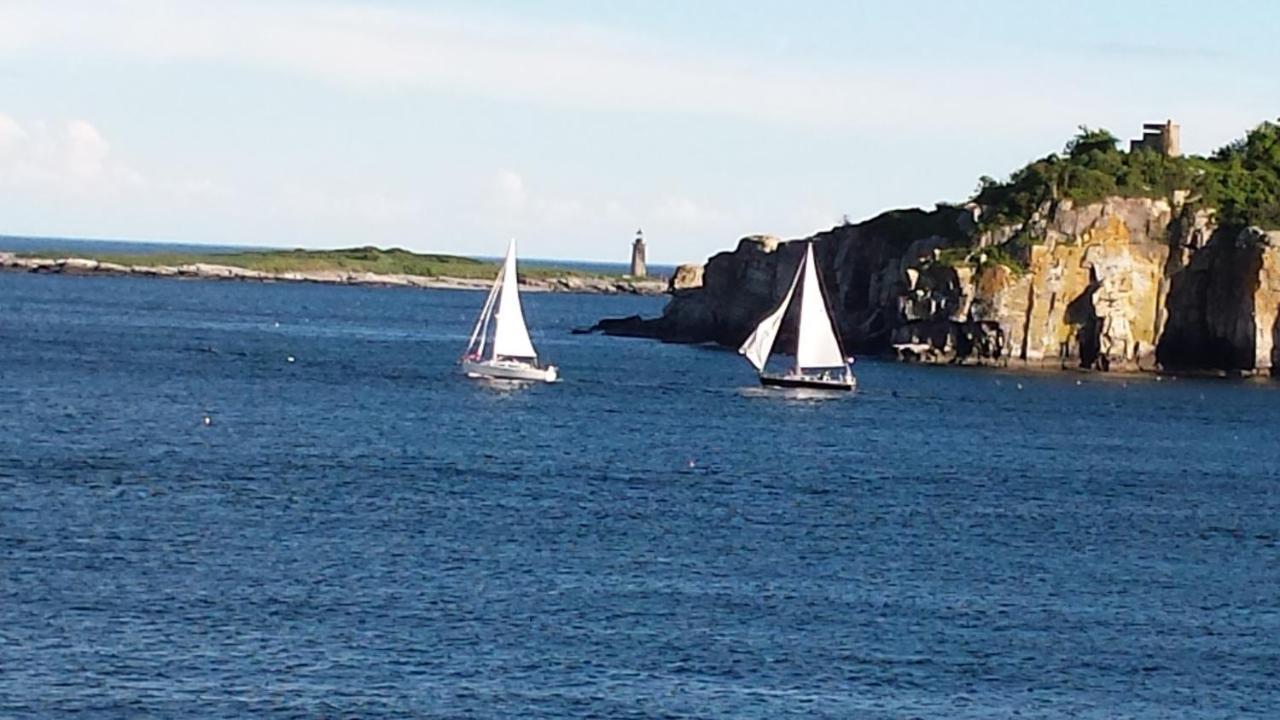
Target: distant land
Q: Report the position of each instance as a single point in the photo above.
(362, 265)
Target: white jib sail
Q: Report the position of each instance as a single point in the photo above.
(760, 344)
(816, 344)
(510, 336)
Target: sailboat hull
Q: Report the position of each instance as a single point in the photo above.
(808, 381)
(509, 370)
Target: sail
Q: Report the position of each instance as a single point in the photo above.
(816, 344)
(760, 344)
(510, 336)
(475, 345)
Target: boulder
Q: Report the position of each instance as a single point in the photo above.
(686, 277)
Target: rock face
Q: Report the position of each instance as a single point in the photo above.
(1123, 284)
(686, 277)
(1223, 306)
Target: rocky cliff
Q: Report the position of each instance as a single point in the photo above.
(1121, 284)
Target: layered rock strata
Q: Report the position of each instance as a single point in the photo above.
(1123, 284)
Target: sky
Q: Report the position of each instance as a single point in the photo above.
(453, 126)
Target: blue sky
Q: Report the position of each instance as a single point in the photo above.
(452, 126)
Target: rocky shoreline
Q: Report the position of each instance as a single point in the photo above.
(209, 271)
(1121, 285)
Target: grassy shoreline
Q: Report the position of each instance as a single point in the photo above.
(392, 261)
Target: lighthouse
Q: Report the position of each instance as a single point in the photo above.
(637, 256)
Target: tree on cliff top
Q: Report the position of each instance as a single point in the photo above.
(1087, 141)
(1241, 180)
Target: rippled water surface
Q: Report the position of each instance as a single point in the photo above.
(364, 533)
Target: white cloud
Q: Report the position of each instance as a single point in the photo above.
(69, 157)
(559, 64)
(515, 204)
(508, 193)
(11, 135)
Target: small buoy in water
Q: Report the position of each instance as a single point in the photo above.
(1078, 382)
(1159, 379)
(277, 323)
(208, 420)
(290, 358)
(1019, 386)
(691, 462)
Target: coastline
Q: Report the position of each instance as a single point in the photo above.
(210, 271)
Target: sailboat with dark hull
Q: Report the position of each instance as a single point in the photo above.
(820, 362)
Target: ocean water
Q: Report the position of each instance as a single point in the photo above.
(364, 533)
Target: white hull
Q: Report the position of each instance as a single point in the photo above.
(509, 370)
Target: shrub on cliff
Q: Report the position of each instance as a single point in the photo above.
(1242, 179)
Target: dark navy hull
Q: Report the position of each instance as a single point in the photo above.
(799, 381)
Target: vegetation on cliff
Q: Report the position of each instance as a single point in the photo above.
(1241, 181)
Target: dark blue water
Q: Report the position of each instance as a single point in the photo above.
(364, 533)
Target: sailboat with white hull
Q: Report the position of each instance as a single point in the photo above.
(509, 353)
(820, 362)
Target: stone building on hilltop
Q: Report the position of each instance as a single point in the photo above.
(1165, 138)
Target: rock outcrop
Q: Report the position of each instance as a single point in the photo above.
(1123, 284)
(686, 277)
(1222, 306)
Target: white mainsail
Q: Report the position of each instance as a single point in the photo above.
(816, 343)
(758, 347)
(510, 336)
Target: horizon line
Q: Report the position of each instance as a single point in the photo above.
(283, 248)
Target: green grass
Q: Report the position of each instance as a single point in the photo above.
(356, 260)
